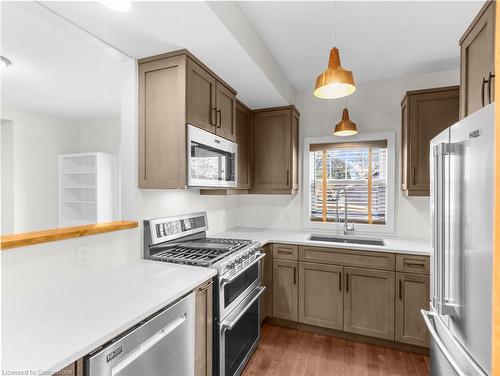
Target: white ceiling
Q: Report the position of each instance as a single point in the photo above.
(377, 40)
(151, 28)
(53, 71)
(255, 46)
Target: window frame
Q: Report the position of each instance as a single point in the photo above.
(388, 228)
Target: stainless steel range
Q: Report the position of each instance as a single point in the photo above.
(182, 239)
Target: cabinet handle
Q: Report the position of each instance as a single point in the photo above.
(294, 275)
(219, 113)
(414, 175)
(280, 251)
(287, 177)
(414, 265)
(340, 281)
(347, 282)
(213, 117)
(400, 289)
(490, 77)
(482, 91)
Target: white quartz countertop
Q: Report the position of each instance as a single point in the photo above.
(264, 236)
(45, 330)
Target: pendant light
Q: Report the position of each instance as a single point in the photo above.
(345, 127)
(335, 81)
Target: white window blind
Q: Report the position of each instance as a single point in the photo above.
(359, 168)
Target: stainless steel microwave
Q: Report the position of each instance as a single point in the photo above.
(212, 160)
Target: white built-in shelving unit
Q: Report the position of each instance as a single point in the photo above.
(88, 188)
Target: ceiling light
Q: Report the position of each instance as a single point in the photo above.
(345, 127)
(117, 5)
(4, 62)
(335, 82)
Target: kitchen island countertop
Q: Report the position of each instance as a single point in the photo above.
(47, 329)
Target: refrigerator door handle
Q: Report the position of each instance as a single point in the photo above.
(428, 317)
(435, 227)
(443, 306)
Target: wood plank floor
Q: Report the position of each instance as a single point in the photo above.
(291, 352)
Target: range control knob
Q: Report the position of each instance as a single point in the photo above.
(230, 265)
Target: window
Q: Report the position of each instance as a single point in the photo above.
(355, 173)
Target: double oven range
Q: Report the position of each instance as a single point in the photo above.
(237, 286)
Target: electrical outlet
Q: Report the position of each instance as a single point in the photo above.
(83, 255)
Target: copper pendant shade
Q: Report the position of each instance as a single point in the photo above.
(335, 81)
(345, 127)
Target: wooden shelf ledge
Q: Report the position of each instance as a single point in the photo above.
(37, 237)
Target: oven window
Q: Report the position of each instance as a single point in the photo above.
(233, 290)
(208, 163)
(239, 340)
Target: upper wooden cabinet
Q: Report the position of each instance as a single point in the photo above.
(211, 105)
(175, 89)
(276, 150)
(477, 62)
(424, 114)
(201, 97)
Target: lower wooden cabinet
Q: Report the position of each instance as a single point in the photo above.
(285, 289)
(369, 302)
(379, 299)
(73, 369)
(203, 329)
(320, 295)
(412, 296)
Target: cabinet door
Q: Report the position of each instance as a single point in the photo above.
(477, 62)
(162, 133)
(226, 112)
(203, 330)
(201, 110)
(413, 295)
(243, 139)
(267, 280)
(272, 150)
(320, 295)
(369, 302)
(285, 289)
(430, 113)
(405, 147)
(295, 151)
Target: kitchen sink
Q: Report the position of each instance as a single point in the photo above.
(343, 239)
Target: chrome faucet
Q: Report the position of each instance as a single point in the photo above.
(348, 227)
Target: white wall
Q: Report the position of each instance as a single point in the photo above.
(374, 107)
(100, 135)
(37, 141)
(7, 176)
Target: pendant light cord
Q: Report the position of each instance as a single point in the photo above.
(334, 23)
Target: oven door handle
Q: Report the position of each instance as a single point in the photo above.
(229, 325)
(225, 280)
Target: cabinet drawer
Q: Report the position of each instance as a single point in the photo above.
(286, 251)
(412, 264)
(364, 259)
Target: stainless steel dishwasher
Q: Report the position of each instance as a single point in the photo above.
(162, 345)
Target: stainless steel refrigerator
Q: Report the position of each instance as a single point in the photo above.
(462, 189)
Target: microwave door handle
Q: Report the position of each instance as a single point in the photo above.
(229, 325)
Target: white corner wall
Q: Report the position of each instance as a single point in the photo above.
(374, 107)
